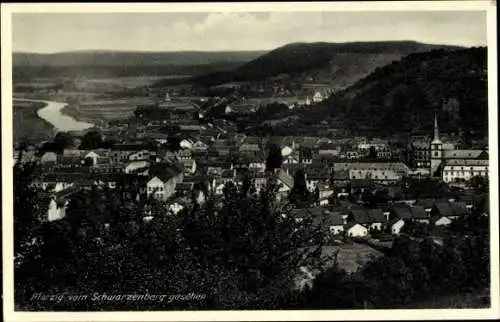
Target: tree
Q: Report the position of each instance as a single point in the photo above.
(91, 140)
(274, 158)
(299, 192)
(63, 140)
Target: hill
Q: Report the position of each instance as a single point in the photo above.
(126, 58)
(27, 73)
(340, 64)
(403, 96)
(99, 64)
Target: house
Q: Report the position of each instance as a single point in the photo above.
(355, 230)
(217, 167)
(54, 204)
(317, 97)
(139, 155)
(350, 155)
(419, 214)
(395, 225)
(385, 172)
(137, 167)
(464, 169)
(328, 149)
(335, 223)
(291, 158)
(252, 149)
(184, 154)
(256, 163)
(176, 206)
(93, 156)
(303, 101)
(49, 158)
(443, 209)
(189, 166)
(285, 182)
(440, 221)
(325, 190)
(186, 144)
(163, 181)
(402, 212)
(376, 218)
(305, 155)
(199, 146)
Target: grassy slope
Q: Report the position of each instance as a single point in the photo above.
(27, 124)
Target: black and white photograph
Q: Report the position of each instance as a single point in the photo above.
(220, 158)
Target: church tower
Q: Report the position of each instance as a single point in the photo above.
(436, 149)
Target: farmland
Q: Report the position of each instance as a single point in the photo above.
(105, 110)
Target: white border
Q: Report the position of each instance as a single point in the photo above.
(10, 315)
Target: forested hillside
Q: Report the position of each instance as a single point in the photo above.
(403, 96)
(341, 62)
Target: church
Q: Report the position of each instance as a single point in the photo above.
(454, 165)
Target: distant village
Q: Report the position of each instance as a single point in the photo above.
(339, 172)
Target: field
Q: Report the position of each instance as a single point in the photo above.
(27, 125)
(352, 256)
(127, 82)
(105, 110)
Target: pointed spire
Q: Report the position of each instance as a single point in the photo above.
(436, 128)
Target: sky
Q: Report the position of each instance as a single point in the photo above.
(235, 31)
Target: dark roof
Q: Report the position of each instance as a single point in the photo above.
(443, 209)
(426, 203)
(418, 212)
(393, 221)
(402, 211)
(360, 216)
(458, 209)
(334, 219)
(376, 215)
(165, 171)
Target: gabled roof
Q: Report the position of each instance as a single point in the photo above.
(466, 162)
(443, 209)
(426, 203)
(360, 216)
(376, 215)
(458, 209)
(285, 178)
(165, 171)
(461, 154)
(418, 212)
(402, 211)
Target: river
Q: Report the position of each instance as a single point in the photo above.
(52, 113)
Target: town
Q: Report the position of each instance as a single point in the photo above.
(359, 186)
(281, 160)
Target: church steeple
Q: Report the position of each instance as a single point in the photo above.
(436, 138)
(436, 128)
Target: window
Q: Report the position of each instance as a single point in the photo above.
(435, 154)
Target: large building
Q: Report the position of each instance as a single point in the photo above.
(456, 164)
